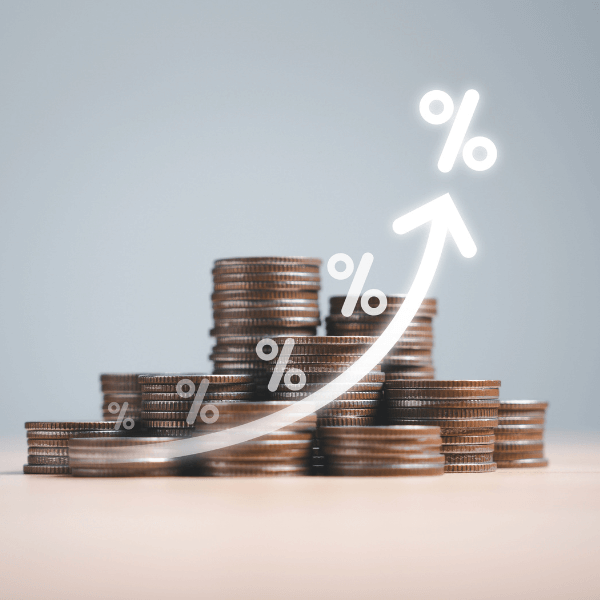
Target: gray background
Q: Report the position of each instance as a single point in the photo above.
(141, 141)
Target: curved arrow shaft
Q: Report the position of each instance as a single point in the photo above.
(322, 397)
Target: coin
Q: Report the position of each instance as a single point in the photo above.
(33, 459)
(523, 463)
(262, 260)
(391, 470)
(46, 470)
(196, 378)
(471, 468)
(442, 384)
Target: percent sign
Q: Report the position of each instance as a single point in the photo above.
(127, 422)
(281, 365)
(357, 284)
(458, 131)
(197, 403)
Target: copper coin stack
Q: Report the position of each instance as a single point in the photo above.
(95, 457)
(390, 451)
(322, 359)
(465, 410)
(411, 355)
(121, 388)
(165, 408)
(286, 451)
(520, 434)
(48, 444)
(257, 298)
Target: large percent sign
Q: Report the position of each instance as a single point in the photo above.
(445, 219)
(458, 131)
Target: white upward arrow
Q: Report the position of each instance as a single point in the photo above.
(444, 219)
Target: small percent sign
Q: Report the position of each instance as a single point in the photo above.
(360, 277)
(445, 219)
(127, 422)
(281, 365)
(458, 131)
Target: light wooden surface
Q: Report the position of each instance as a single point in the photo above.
(512, 534)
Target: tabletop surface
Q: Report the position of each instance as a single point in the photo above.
(530, 533)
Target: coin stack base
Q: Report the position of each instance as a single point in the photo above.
(122, 457)
(48, 443)
(257, 298)
(382, 451)
(465, 410)
(411, 355)
(520, 434)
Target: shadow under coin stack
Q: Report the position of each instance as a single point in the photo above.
(411, 356)
(120, 388)
(322, 359)
(284, 452)
(520, 434)
(390, 451)
(166, 401)
(466, 411)
(261, 297)
(95, 457)
(48, 444)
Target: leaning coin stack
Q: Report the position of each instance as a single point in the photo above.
(466, 411)
(286, 451)
(119, 388)
(122, 457)
(382, 451)
(520, 434)
(167, 400)
(322, 359)
(411, 355)
(48, 444)
(257, 298)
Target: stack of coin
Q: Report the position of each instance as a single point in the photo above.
(117, 457)
(255, 298)
(48, 444)
(465, 410)
(167, 399)
(322, 359)
(382, 451)
(411, 356)
(119, 388)
(286, 451)
(520, 434)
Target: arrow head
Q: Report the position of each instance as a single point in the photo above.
(443, 213)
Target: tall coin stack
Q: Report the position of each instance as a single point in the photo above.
(321, 359)
(411, 356)
(255, 298)
(382, 451)
(520, 434)
(48, 444)
(167, 399)
(466, 411)
(121, 388)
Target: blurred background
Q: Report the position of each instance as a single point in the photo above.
(140, 141)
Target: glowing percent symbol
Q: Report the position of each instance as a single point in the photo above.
(458, 131)
(197, 403)
(280, 367)
(127, 422)
(357, 284)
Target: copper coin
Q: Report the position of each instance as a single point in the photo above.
(254, 294)
(390, 470)
(467, 449)
(442, 413)
(47, 460)
(196, 378)
(379, 432)
(52, 443)
(523, 405)
(444, 384)
(264, 260)
(423, 394)
(270, 267)
(38, 451)
(46, 470)
(266, 276)
(467, 403)
(471, 468)
(470, 458)
(208, 397)
(215, 388)
(468, 439)
(519, 445)
(345, 421)
(523, 463)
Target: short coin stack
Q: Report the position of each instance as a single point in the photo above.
(382, 451)
(520, 434)
(95, 457)
(286, 451)
(120, 388)
(411, 355)
(167, 400)
(322, 359)
(465, 410)
(48, 444)
(261, 297)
